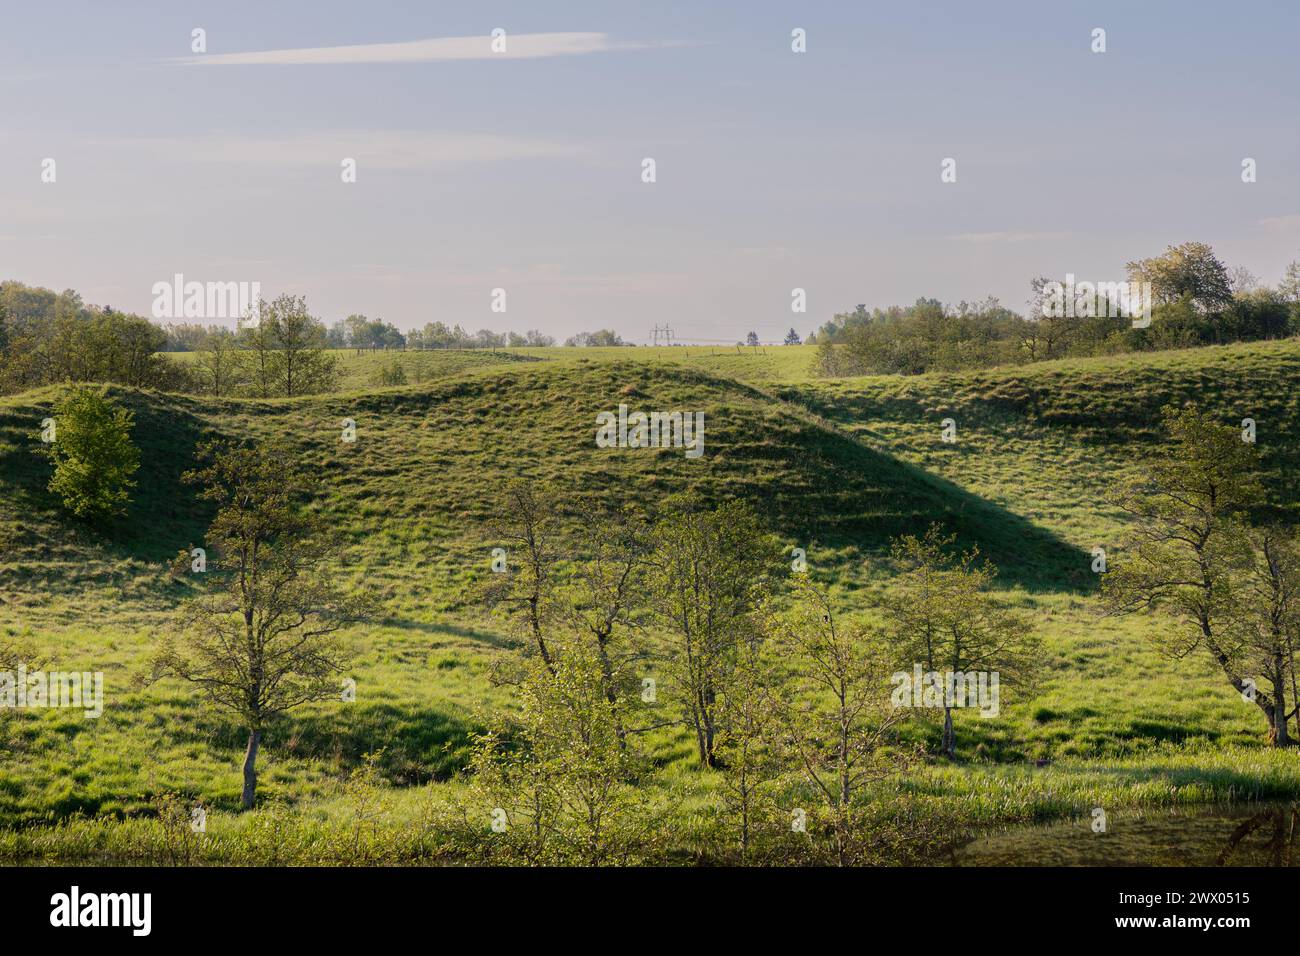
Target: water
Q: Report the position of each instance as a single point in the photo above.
(1258, 834)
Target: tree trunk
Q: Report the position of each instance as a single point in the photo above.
(702, 716)
(1280, 732)
(744, 825)
(710, 759)
(697, 719)
(611, 692)
(702, 746)
(949, 735)
(250, 768)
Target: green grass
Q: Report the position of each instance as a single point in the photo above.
(834, 466)
(762, 365)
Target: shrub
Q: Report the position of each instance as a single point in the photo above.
(94, 458)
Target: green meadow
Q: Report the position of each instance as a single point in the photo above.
(834, 466)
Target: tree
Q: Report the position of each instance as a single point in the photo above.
(391, 372)
(837, 720)
(1241, 280)
(132, 344)
(751, 339)
(94, 458)
(1191, 270)
(792, 337)
(336, 336)
(559, 772)
(942, 616)
(616, 548)
(258, 340)
(13, 653)
(528, 525)
(52, 337)
(1268, 623)
(288, 350)
(220, 363)
(751, 763)
(1289, 287)
(360, 331)
(1047, 335)
(1186, 545)
(1289, 290)
(598, 599)
(262, 637)
(601, 337)
(710, 572)
(829, 361)
(299, 365)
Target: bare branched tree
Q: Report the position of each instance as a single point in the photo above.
(528, 527)
(261, 638)
(838, 721)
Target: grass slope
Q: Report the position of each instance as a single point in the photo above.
(834, 466)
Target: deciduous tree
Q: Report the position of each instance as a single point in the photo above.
(1190, 269)
(837, 720)
(557, 779)
(262, 637)
(94, 457)
(710, 571)
(1186, 546)
(942, 615)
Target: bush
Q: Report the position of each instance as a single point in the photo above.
(94, 458)
(390, 373)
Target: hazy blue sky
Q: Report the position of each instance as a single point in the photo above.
(775, 170)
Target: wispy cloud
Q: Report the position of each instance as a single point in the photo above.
(371, 149)
(521, 46)
(1005, 236)
(1288, 222)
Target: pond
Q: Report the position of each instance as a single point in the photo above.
(1249, 834)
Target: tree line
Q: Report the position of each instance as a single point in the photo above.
(48, 337)
(1197, 300)
(358, 332)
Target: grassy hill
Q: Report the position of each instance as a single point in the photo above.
(834, 466)
(759, 365)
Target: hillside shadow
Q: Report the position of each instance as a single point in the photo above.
(855, 496)
(817, 484)
(418, 744)
(164, 515)
(454, 630)
(1135, 398)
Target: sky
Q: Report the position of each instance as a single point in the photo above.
(774, 170)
